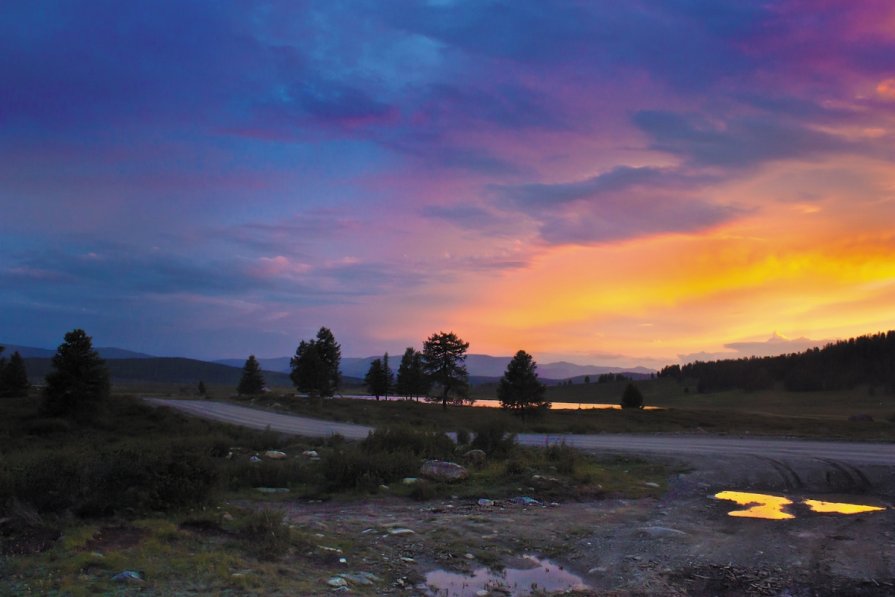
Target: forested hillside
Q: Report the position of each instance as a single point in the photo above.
(841, 365)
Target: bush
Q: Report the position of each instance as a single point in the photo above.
(423, 490)
(281, 473)
(493, 438)
(562, 457)
(90, 481)
(47, 426)
(463, 437)
(423, 444)
(265, 533)
(358, 469)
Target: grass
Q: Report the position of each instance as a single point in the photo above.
(109, 492)
(769, 413)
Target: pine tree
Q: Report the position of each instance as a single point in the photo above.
(632, 398)
(78, 386)
(252, 381)
(315, 366)
(443, 362)
(201, 389)
(519, 389)
(14, 377)
(411, 381)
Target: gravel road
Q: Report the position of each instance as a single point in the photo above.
(852, 452)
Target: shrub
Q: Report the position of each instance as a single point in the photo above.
(355, 468)
(283, 473)
(265, 533)
(463, 437)
(47, 426)
(424, 444)
(562, 457)
(423, 490)
(493, 438)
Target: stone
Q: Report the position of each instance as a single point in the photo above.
(440, 470)
(401, 531)
(651, 484)
(409, 480)
(272, 489)
(274, 455)
(660, 532)
(475, 457)
(485, 502)
(312, 454)
(337, 582)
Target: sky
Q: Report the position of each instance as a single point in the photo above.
(613, 183)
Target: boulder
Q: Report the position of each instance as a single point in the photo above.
(275, 455)
(440, 470)
(476, 457)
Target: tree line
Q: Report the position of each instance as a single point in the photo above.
(841, 365)
(435, 373)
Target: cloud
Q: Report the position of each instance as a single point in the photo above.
(620, 204)
(773, 346)
(735, 143)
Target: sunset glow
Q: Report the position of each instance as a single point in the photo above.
(615, 184)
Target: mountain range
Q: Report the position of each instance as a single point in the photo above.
(478, 365)
(128, 365)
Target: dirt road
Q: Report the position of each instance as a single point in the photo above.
(682, 543)
(850, 452)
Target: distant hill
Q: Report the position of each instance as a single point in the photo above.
(481, 367)
(163, 370)
(128, 365)
(279, 364)
(106, 352)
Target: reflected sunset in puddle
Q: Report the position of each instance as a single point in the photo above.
(762, 506)
(839, 507)
(771, 507)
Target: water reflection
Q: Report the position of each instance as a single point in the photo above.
(772, 507)
(839, 507)
(762, 506)
(542, 576)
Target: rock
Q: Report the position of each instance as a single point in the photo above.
(485, 502)
(651, 484)
(439, 470)
(475, 457)
(361, 578)
(337, 582)
(129, 576)
(272, 489)
(312, 454)
(409, 480)
(469, 556)
(401, 531)
(274, 455)
(659, 532)
(227, 516)
(524, 500)
(255, 458)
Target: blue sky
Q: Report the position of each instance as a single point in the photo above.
(615, 182)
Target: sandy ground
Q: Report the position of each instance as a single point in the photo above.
(683, 543)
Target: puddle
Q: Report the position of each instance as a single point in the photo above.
(762, 506)
(839, 507)
(540, 577)
(771, 507)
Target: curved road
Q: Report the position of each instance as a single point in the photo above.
(853, 452)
